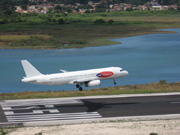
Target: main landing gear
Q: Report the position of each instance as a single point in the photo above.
(114, 81)
(79, 86)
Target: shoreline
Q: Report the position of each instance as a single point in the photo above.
(158, 31)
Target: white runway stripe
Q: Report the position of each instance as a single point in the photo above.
(27, 108)
(11, 113)
(40, 102)
(34, 112)
(50, 117)
(59, 114)
(6, 108)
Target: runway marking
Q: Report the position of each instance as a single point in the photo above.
(40, 102)
(50, 117)
(27, 108)
(47, 110)
(32, 110)
(38, 111)
(8, 112)
(6, 108)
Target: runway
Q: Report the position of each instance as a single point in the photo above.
(72, 110)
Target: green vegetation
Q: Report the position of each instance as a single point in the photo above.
(80, 30)
(153, 134)
(5, 130)
(162, 82)
(40, 133)
(2, 132)
(128, 89)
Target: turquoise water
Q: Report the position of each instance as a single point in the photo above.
(147, 58)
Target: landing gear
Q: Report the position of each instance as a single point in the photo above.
(114, 81)
(79, 86)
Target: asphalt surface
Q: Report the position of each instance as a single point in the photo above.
(25, 111)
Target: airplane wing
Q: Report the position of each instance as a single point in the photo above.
(82, 80)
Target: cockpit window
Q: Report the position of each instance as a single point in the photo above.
(121, 70)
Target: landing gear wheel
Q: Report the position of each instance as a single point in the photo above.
(80, 88)
(114, 81)
(77, 86)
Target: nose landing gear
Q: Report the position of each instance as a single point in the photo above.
(114, 81)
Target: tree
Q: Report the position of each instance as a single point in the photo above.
(61, 21)
(101, 6)
(110, 21)
(87, 11)
(3, 21)
(85, 7)
(129, 9)
(136, 2)
(24, 4)
(58, 9)
(99, 21)
(7, 7)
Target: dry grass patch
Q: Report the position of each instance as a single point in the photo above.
(10, 38)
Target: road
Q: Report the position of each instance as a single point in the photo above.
(66, 110)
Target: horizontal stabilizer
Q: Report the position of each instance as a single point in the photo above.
(64, 71)
(29, 70)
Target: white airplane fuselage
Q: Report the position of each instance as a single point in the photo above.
(71, 77)
(90, 77)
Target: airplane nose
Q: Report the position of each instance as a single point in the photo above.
(125, 73)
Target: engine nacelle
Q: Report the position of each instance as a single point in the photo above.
(93, 83)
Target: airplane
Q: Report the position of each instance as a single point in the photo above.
(89, 78)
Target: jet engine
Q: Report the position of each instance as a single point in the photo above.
(93, 83)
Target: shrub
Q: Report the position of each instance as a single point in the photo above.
(2, 132)
(99, 21)
(161, 82)
(153, 134)
(77, 42)
(3, 21)
(61, 21)
(40, 133)
(110, 21)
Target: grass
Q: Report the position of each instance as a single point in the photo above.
(128, 89)
(9, 38)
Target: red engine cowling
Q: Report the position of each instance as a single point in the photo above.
(93, 83)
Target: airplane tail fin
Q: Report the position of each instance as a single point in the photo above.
(29, 70)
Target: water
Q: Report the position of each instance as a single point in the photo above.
(147, 58)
